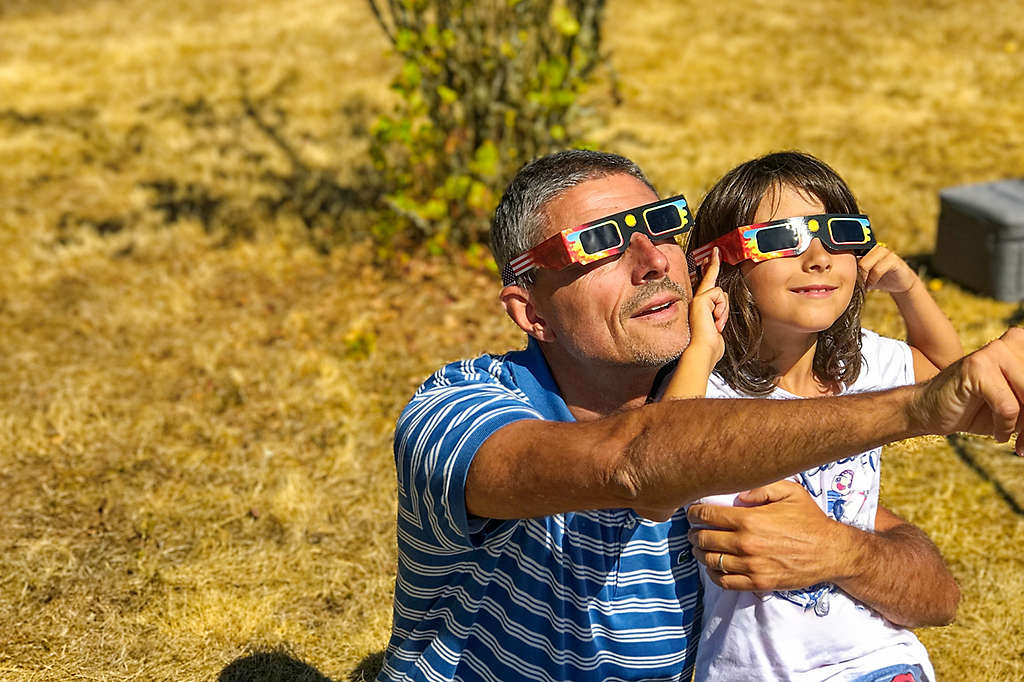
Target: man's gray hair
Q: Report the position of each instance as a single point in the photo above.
(521, 219)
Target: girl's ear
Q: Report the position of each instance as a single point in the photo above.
(519, 304)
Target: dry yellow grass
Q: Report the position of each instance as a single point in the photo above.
(195, 441)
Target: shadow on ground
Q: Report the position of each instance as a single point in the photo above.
(280, 666)
(270, 666)
(368, 668)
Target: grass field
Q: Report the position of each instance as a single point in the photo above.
(197, 405)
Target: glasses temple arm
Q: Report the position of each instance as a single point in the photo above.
(730, 249)
(552, 253)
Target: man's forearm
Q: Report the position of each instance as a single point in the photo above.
(900, 573)
(662, 456)
(682, 450)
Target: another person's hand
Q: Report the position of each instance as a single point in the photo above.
(709, 311)
(885, 271)
(777, 543)
(981, 393)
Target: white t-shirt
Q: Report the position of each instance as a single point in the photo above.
(818, 633)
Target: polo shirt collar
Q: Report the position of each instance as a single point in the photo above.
(533, 377)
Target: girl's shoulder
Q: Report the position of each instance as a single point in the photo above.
(886, 363)
(719, 388)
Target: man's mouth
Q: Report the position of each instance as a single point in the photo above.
(656, 307)
(653, 300)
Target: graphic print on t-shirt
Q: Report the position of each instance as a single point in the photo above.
(847, 490)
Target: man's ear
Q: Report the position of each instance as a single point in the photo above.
(518, 302)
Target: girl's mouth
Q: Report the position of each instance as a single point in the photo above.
(814, 290)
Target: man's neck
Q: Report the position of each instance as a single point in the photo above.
(593, 391)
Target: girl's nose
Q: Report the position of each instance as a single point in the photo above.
(817, 257)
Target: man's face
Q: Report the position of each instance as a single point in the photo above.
(629, 309)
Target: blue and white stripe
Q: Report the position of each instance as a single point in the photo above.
(599, 595)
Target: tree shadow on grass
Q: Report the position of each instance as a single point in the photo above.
(280, 666)
(368, 668)
(270, 666)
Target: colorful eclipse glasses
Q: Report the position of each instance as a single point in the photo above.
(790, 237)
(603, 237)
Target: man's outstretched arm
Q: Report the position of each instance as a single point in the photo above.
(659, 457)
(788, 543)
(662, 456)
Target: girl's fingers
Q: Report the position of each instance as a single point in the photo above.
(873, 258)
(878, 268)
(721, 312)
(710, 272)
(874, 274)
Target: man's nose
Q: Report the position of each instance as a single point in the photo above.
(649, 263)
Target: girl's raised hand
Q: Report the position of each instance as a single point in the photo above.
(885, 271)
(709, 309)
(932, 338)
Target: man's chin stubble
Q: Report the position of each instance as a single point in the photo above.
(656, 355)
(643, 354)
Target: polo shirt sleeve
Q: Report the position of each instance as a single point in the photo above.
(436, 438)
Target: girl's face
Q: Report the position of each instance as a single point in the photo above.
(799, 295)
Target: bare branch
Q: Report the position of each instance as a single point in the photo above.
(380, 21)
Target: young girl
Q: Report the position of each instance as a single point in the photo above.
(795, 291)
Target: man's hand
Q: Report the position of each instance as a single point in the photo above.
(788, 543)
(782, 542)
(981, 393)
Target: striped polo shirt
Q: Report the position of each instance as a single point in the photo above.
(596, 595)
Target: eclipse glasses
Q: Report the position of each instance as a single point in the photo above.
(791, 237)
(604, 237)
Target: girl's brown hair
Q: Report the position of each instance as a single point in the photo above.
(732, 203)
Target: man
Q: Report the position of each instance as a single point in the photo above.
(528, 482)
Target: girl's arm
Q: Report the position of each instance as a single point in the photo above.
(709, 311)
(932, 338)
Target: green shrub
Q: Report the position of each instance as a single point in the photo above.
(484, 87)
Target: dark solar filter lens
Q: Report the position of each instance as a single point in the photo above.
(600, 237)
(776, 238)
(846, 231)
(663, 219)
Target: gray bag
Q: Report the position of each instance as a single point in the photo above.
(980, 243)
